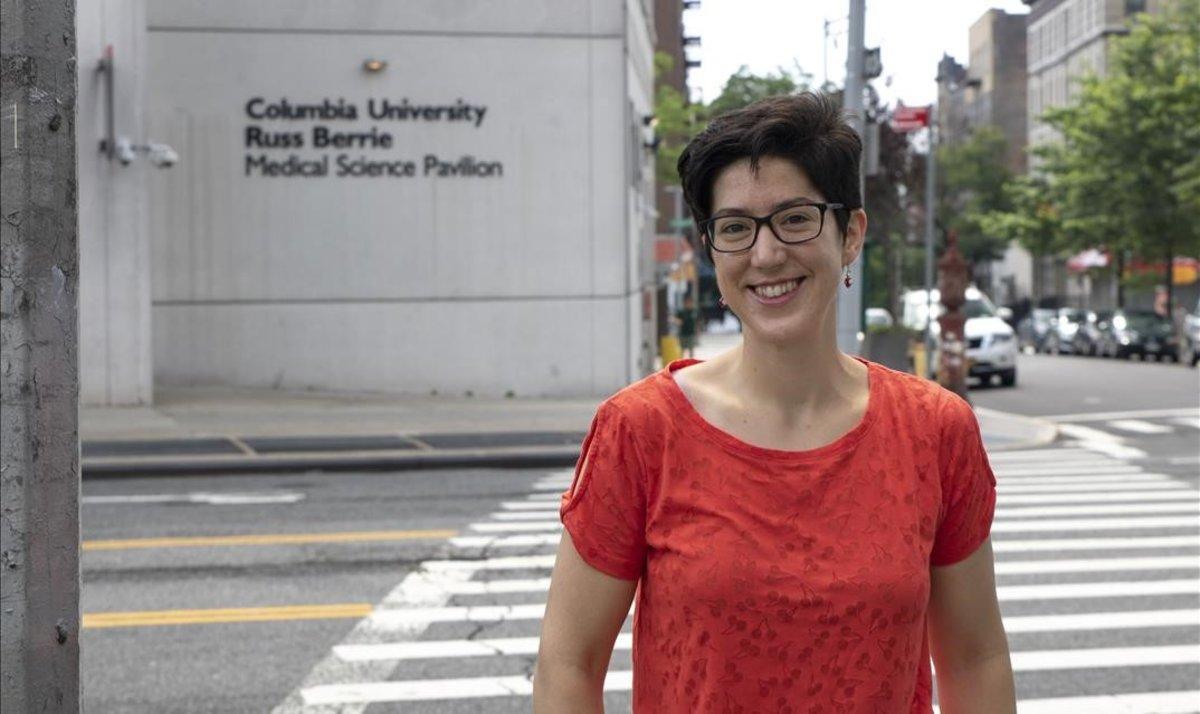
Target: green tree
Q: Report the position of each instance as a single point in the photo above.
(1032, 220)
(972, 176)
(1126, 168)
(744, 88)
(677, 122)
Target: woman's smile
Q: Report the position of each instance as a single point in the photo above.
(776, 293)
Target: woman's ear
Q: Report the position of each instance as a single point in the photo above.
(856, 233)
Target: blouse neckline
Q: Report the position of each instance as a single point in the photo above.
(684, 407)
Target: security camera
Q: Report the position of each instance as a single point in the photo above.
(161, 155)
(125, 152)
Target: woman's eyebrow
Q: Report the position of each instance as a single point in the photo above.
(739, 211)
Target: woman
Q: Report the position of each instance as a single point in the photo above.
(805, 527)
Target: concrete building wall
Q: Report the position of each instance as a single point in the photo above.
(114, 248)
(527, 277)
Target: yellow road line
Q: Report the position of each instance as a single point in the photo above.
(266, 539)
(152, 618)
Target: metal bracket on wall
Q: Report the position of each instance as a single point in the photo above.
(108, 144)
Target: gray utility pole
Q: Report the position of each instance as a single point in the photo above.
(850, 302)
(39, 370)
(930, 226)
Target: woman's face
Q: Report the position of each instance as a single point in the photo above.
(809, 273)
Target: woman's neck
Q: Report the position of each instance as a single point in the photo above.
(796, 379)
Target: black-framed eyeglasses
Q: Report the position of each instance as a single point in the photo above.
(797, 223)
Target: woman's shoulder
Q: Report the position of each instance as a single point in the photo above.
(643, 403)
(914, 397)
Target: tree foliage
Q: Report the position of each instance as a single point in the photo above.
(744, 88)
(679, 120)
(971, 183)
(1126, 170)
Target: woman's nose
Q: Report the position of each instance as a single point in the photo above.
(767, 249)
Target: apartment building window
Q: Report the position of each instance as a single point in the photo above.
(1132, 6)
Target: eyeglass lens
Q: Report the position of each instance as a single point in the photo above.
(791, 225)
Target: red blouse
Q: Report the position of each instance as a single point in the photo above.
(780, 581)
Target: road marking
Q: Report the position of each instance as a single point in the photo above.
(418, 690)
(1136, 414)
(1104, 589)
(527, 505)
(1067, 480)
(524, 515)
(244, 498)
(1125, 620)
(1089, 468)
(622, 681)
(1056, 544)
(1192, 421)
(455, 648)
(1104, 658)
(545, 496)
(522, 646)
(552, 486)
(1051, 455)
(514, 541)
(409, 616)
(265, 539)
(1179, 495)
(212, 616)
(516, 527)
(1094, 510)
(1138, 703)
(1101, 441)
(1138, 426)
(1066, 488)
(1097, 565)
(517, 562)
(1094, 524)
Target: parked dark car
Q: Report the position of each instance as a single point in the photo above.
(1061, 336)
(1142, 333)
(1033, 328)
(1087, 337)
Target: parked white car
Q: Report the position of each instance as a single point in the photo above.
(991, 342)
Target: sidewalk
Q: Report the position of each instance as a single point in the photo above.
(218, 430)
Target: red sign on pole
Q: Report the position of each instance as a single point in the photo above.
(906, 119)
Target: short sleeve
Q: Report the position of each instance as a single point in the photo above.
(605, 508)
(968, 485)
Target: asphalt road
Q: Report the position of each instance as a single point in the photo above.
(1063, 384)
(198, 597)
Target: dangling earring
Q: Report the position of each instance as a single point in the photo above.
(847, 279)
(721, 301)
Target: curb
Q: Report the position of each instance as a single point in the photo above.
(1036, 432)
(510, 458)
(1031, 433)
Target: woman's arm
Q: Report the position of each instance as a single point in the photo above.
(584, 613)
(967, 640)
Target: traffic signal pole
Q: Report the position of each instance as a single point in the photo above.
(39, 368)
(849, 313)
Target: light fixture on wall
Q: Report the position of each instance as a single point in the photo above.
(374, 66)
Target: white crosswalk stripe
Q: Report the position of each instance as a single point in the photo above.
(1087, 546)
(1139, 426)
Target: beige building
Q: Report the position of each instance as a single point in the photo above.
(1067, 40)
(990, 91)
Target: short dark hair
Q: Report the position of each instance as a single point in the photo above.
(808, 129)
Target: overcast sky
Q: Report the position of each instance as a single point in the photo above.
(766, 34)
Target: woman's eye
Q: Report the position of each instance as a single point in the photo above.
(733, 228)
(796, 218)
